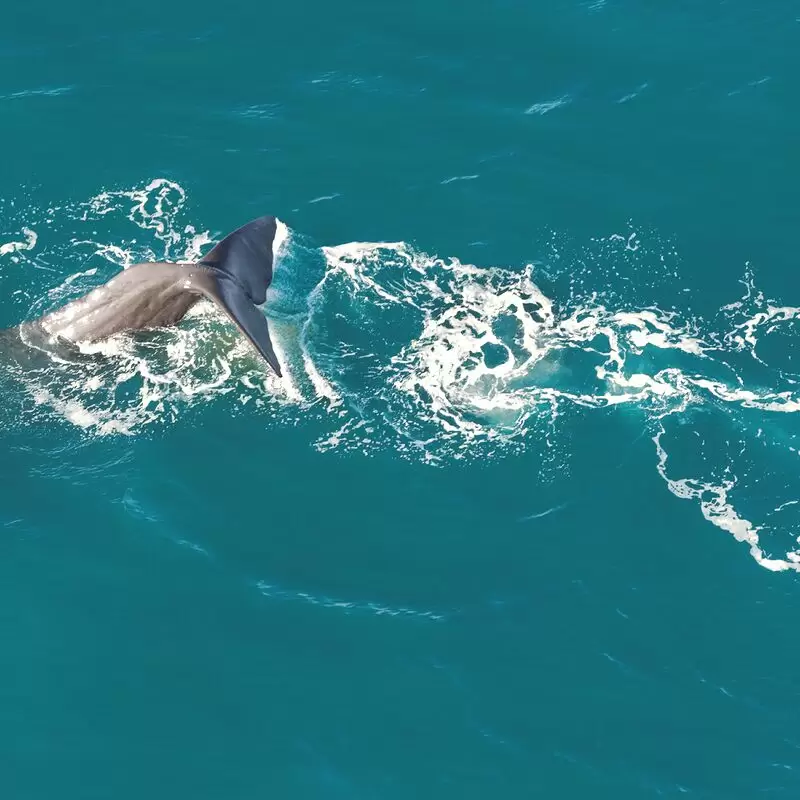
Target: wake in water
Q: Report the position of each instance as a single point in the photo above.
(431, 358)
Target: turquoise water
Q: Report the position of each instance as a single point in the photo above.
(521, 520)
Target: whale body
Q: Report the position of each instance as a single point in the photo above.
(235, 274)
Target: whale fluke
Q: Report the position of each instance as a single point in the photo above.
(229, 294)
(247, 255)
(242, 265)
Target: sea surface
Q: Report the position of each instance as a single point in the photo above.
(521, 519)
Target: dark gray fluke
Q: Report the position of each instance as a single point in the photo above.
(235, 274)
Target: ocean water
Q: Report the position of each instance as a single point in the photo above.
(522, 519)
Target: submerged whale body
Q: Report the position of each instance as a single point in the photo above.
(235, 274)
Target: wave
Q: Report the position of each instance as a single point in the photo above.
(431, 358)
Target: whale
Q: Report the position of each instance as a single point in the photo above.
(235, 275)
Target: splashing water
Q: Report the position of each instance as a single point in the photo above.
(432, 358)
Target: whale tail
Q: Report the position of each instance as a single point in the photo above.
(235, 274)
(241, 270)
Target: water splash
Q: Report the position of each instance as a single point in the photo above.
(458, 361)
(125, 384)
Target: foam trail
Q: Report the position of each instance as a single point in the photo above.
(546, 513)
(717, 508)
(345, 606)
(482, 362)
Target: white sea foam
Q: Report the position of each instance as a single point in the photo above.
(716, 506)
(344, 606)
(546, 106)
(483, 361)
(31, 238)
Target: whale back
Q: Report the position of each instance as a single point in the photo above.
(146, 295)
